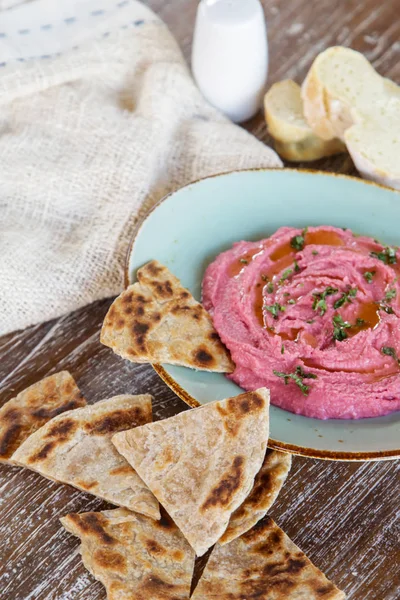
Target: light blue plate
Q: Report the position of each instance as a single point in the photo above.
(190, 227)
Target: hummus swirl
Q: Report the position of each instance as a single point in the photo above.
(314, 316)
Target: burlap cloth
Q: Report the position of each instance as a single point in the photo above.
(99, 118)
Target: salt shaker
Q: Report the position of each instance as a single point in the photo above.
(230, 55)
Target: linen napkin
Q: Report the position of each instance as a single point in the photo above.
(99, 118)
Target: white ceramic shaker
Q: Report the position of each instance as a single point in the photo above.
(230, 55)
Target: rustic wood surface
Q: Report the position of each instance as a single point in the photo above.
(343, 515)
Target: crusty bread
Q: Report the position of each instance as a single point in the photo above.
(294, 138)
(343, 96)
(374, 147)
(340, 89)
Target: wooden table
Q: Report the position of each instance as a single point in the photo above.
(342, 515)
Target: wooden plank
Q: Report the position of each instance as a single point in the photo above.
(345, 516)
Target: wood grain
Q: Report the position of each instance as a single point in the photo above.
(344, 516)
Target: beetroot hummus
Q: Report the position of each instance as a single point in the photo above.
(313, 315)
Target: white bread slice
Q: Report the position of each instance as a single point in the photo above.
(343, 88)
(294, 138)
(375, 149)
(344, 96)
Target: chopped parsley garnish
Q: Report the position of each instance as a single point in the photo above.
(345, 297)
(275, 309)
(319, 303)
(360, 323)
(285, 275)
(384, 304)
(388, 256)
(339, 328)
(264, 277)
(296, 266)
(314, 253)
(390, 294)
(243, 261)
(297, 242)
(270, 287)
(291, 301)
(297, 377)
(368, 276)
(283, 349)
(310, 321)
(389, 351)
(388, 309)
(286, 294)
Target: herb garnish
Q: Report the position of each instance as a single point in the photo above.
(384, 304)
(296, 266)
(360, 322)
(291, 301)
(345, 297)
(368, 276)
(310, 321)
(388, 309)
(388, 255)
(314, 253)
(389, 351)
(390, 294)
(339, 328)
(283, 349)
(285, 275)
(270, 287)
(297, 377)
(275, 309)
(319, 303)
(264, 277)
(243, 261)
(297, 242)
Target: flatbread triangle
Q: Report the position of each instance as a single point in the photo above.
(134, 556)
(264, 564)
(267, 485)
(75, 448)
(157, 320)
(31, 409)
(201, 464)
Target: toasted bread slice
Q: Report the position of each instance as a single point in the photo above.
(294, 138)
(343, 96)
(374, 147)
(343, 88)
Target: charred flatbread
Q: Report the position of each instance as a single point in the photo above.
(75, 448)
(201, 464)
(267, 485)
(264, 564)
(133, 556)
(31, 409)
(157, 320)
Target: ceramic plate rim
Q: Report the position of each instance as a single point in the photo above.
(379, 455)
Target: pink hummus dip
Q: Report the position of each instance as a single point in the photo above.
(314, 316)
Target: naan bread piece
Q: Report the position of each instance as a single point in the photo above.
(157, 320)
(264, 564)
(76, 448)
(32, 408)
(267, 485)
(134, 557)
(201, 464)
